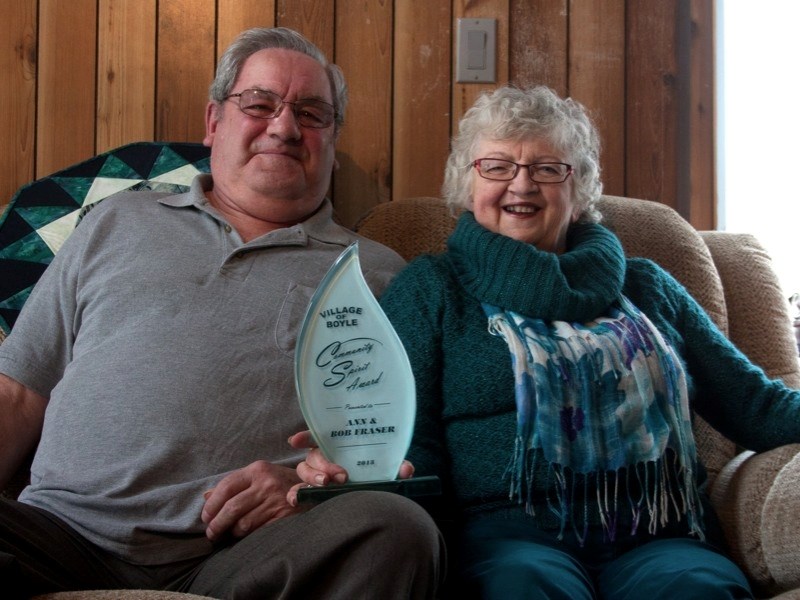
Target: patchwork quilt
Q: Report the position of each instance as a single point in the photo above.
(42, 214)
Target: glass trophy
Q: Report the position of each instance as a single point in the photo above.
(353, 377)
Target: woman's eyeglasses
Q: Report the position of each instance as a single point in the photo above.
(498, 169)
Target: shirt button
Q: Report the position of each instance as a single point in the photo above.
(227, 228)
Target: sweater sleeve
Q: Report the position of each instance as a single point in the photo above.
(731, 393)
(413, 303)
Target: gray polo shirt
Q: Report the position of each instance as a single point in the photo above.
(166, 347)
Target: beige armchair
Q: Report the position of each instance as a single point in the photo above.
(756, 495)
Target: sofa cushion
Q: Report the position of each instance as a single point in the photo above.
(656, 231)
(411, 226)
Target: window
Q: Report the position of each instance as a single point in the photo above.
(758, 128)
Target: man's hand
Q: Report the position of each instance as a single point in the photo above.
(247, 499)
(316, 470)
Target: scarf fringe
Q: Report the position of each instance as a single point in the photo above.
(665, 489)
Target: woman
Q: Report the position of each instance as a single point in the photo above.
(574, 470)
(555, 378)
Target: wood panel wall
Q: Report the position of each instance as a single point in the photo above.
(78, 77)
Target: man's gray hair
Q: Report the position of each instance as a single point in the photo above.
(253, 40)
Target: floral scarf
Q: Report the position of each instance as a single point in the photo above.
(604, 399)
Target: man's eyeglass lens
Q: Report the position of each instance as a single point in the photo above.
(268, 105)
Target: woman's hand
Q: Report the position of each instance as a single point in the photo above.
(317, 471)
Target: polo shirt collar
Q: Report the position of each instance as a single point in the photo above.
(320, 226)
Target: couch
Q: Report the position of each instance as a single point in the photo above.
(730, 275)
(756, 495)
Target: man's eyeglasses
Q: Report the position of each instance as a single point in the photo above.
(498, 169)
(262, 104)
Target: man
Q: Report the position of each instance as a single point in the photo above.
(154, 361)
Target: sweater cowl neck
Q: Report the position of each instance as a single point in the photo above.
(578, 285)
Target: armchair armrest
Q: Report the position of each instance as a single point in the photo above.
(758, 313)
(757, 497)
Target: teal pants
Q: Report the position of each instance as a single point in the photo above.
(508, 560)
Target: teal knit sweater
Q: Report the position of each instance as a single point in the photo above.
(466, 417)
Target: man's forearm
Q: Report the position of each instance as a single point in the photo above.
(21, 418)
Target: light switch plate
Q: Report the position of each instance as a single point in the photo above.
(477, 50)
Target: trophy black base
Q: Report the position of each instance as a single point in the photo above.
(413, 488)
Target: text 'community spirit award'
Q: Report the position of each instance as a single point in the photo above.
(353, 377)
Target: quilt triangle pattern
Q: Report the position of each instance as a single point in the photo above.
(42, 214)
